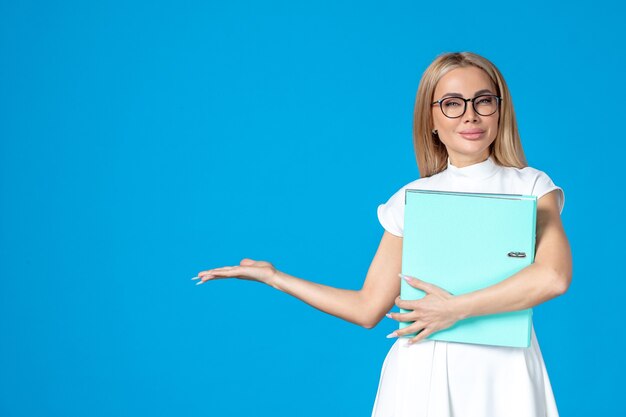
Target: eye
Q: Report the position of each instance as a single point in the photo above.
(484, 100)
(452, 102)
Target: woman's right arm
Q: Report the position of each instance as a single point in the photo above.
(365, 307)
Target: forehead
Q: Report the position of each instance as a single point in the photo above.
(465, 81)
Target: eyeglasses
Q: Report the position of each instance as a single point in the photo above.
(454, 107)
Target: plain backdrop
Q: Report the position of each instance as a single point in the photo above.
(142, 142)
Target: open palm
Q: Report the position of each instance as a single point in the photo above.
(248, 269)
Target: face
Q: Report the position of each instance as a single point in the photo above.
(467, 138)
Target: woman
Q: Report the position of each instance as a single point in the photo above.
(466, 139)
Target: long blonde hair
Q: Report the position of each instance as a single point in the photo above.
(431, 154)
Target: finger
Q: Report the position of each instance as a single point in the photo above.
(413, 328)
(226, 272)
(407, 304)
(224, 268)
(200, 275)
(252, 262)
(210, 271)
(235, 272)
(421, 336)
(410, 316)
(421, 285)
(206, 278)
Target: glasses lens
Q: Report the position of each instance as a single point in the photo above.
(486, 105)
(453, 107)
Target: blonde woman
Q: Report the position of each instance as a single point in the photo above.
(466, 139)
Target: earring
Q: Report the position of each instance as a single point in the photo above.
(435, 132)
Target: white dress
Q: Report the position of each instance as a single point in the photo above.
(444, 379)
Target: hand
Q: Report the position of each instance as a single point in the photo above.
(436, 311)
(248, 269)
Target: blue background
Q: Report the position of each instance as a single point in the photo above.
(142, 142)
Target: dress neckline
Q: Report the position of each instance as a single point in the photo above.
(480, 170)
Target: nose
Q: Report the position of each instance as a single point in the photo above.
(470, 114)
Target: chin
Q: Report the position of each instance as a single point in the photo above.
(472, 149)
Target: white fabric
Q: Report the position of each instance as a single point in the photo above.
(484, 177)
(443, 379)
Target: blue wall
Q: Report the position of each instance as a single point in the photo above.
(142, 142)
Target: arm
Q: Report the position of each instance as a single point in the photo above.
(364, 307)
(548, 277)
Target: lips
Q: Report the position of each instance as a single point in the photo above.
(471, 133)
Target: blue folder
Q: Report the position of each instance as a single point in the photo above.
(463, 242)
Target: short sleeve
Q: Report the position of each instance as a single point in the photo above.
(391, 214)
(543, 185)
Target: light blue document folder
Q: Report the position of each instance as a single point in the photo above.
(463, 242)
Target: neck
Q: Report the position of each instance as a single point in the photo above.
(461, 161)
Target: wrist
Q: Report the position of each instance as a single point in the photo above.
(460, 306)
(274, 279)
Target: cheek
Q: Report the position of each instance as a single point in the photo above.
(494, 126)
(446, 125)
(440, 121)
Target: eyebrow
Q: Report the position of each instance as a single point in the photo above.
(479, 92)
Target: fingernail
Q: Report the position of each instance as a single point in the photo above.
(200, 282)
(393, 334)
(388, 315)
(407, 279)
(194, 278)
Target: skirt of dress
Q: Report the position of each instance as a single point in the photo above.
(443, 379)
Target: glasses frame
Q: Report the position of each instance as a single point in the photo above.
(465, 100)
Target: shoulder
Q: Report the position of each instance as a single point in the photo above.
(536, 182)
(391, 213)
(528, 175)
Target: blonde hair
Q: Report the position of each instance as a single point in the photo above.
(430, 152)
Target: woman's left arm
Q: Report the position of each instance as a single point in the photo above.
(548, 277)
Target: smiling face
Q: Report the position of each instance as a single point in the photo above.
(466, 138)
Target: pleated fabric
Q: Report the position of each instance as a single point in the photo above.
(444, 379)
